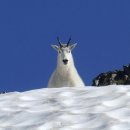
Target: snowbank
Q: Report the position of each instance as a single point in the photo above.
(103, 108)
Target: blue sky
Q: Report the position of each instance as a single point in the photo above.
(28, 28)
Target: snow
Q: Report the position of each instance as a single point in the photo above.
(88, 108)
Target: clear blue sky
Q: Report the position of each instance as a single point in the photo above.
(28, 28)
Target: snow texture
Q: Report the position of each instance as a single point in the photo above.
(86, 108)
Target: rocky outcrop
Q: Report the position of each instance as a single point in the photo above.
(3, 92)
(118, 77)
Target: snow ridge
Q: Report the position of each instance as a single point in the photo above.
(90, 108)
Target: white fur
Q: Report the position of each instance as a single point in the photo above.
(65, 75)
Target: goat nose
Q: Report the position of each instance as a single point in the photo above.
(65, 61)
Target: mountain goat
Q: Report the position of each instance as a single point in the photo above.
(65, 74)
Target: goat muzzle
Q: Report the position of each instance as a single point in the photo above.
(65, 61)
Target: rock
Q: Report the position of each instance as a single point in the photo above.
(119, 77)
(3, 92)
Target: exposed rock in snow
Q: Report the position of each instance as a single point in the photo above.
(119, 77)
(89, 108)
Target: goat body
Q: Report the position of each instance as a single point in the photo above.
(65, 77)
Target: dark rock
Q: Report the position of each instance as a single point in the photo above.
(119, 77)
(3, 92)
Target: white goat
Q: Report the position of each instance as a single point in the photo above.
(65, 74)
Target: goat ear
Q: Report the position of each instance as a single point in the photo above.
(72, 46)
(55, 47)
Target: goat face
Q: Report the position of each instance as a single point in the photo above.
(64, 53)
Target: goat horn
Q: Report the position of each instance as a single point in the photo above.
(68, 41)
(59, 41)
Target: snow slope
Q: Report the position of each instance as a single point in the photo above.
(90, 108)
